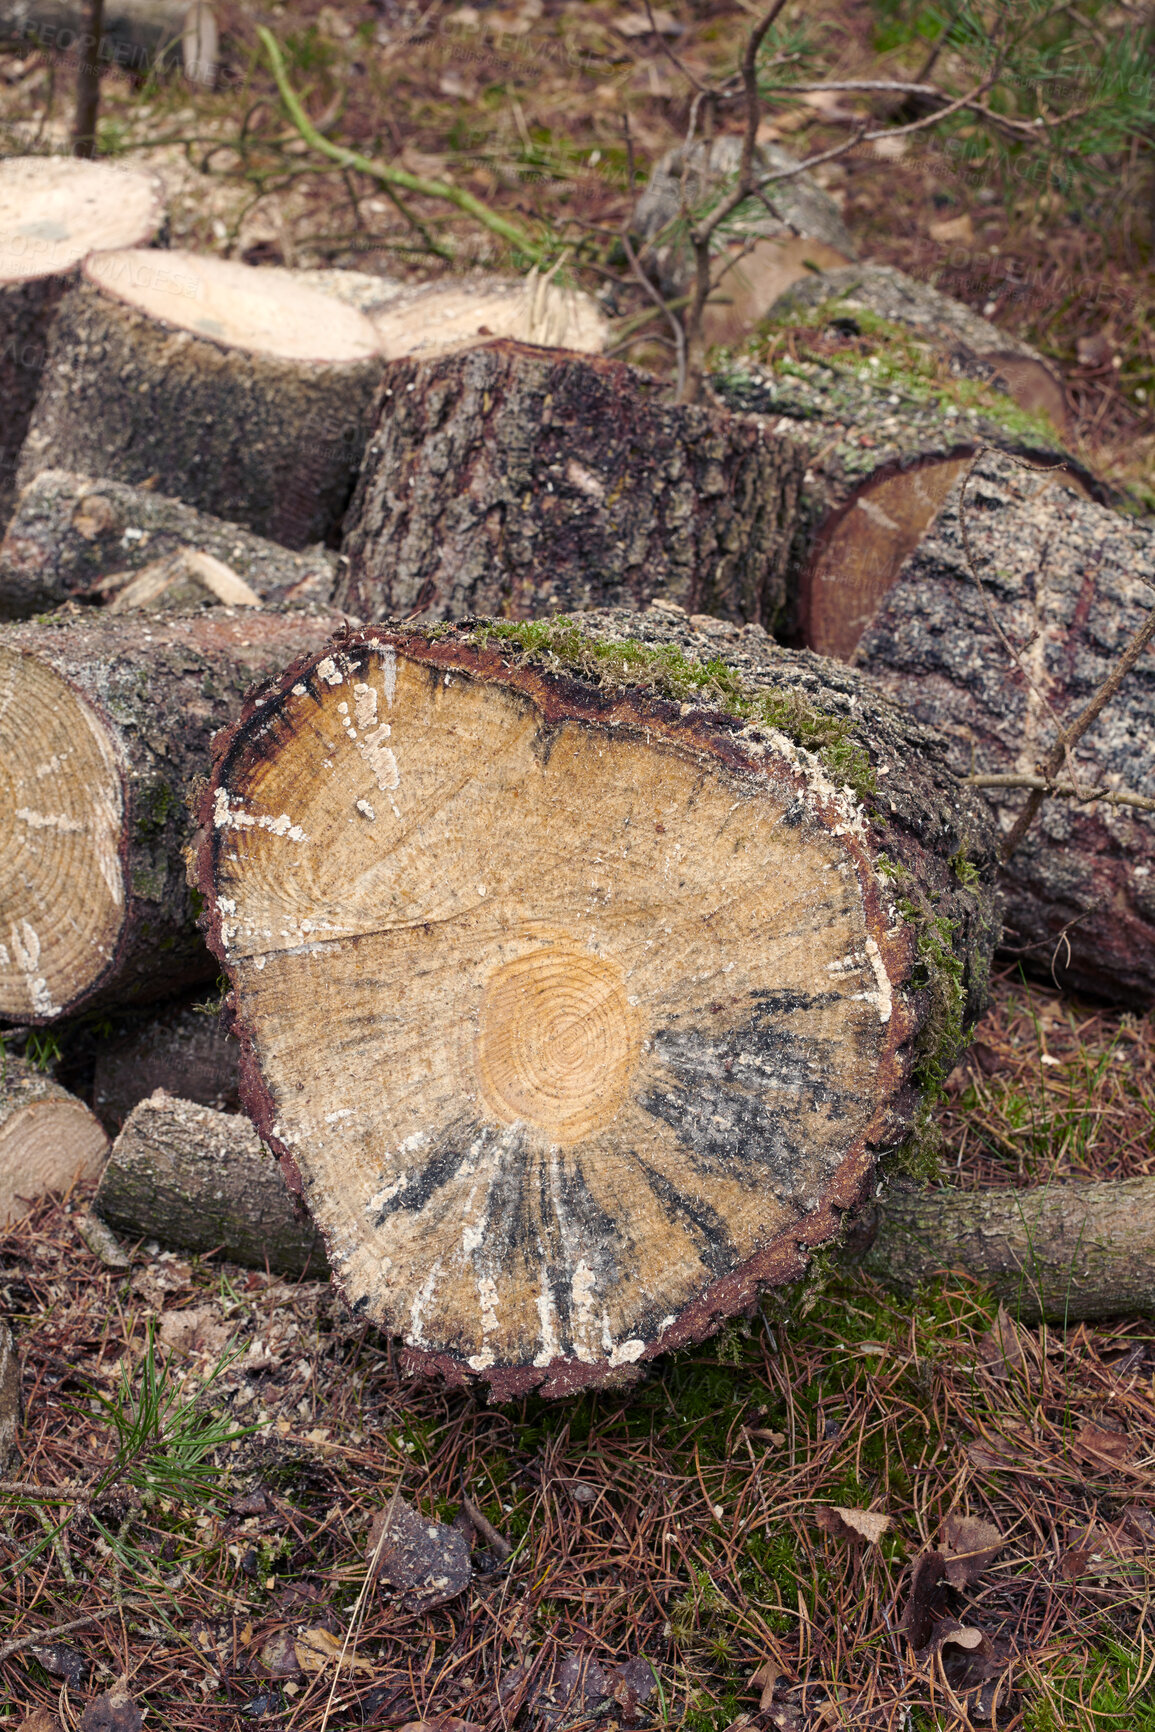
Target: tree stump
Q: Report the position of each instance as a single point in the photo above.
(1069, 582)
(183, 1051)
(518, 481)
(53, 211)
(238, 391)
(577, 1004)
(48, 1139)
(199, 1179)
(70, 535)
(103, 724)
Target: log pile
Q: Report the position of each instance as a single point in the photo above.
(584, 972)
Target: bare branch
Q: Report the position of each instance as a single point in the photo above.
(1064, 790)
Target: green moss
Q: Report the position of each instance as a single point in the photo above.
(902, 365)
(155, 803)
(667, 671)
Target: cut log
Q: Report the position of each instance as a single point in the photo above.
(237, 390)
(183, 1051)
(442, 318)
(578, 1005)
(887, 433)
(53, 212)
(200, 1180)
(770, 249)
(49, 1140)
(103, 724)
(977, 349)
(1060, 1252)
(512, 480)
(1069, 582)
(70, 535)
(182, 580)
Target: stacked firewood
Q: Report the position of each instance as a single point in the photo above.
(575, 789)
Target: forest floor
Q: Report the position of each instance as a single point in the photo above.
(677, 1556)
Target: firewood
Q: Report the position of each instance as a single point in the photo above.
(978, 349)
(1064, 1252)
(1068, 582)
(200, 1180)
(515, 480)
(10, 1398)
(239, 391)
(881, 459)
(73, 537)
(54, 211)
(48, 1139)
(800, 229)
(578, 988)
(103, 723)
(183, 1050)
(440, 318)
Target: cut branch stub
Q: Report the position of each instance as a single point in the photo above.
(576, 1018)
(244, 394)
(48, 1139)
(53, 212)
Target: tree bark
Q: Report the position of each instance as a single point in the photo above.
(70, 534)
(10, 1398)
(516, 481)
(103, 724)
(1068, 582)
(245, 397)
(578, 1005)
(52, 212)
(881, 459)
(976, 348)
(183, 1051)
(1060, 1252)
(48, 1139)
(202, 1181)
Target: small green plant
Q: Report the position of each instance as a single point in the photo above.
(41, 1049)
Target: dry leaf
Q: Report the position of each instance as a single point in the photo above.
(40, 1720)
(991, 1458)
(1001, 1348)
(114, 1712)
(440, 1723)
(639, 23)
(278, 1656)
(767, 1679)
(853, 1524)
(969, 1545)
(1103, 1448)
(316, 1649)
(1095, 351)
(425, 1558)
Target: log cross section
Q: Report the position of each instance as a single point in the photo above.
(577, 1017)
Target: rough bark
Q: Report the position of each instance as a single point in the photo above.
(103, 724)
(183, 1051)
(880, 462)
(766, 249)
(516, 481)
(52, 212)
(1069, 582)
(70, 534)
(577, 1005)
(442, 318)
(201, 1180)
(977, 349)
(1059, 1252)
(242, 393)
(48, 1139)
(10, 1398)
